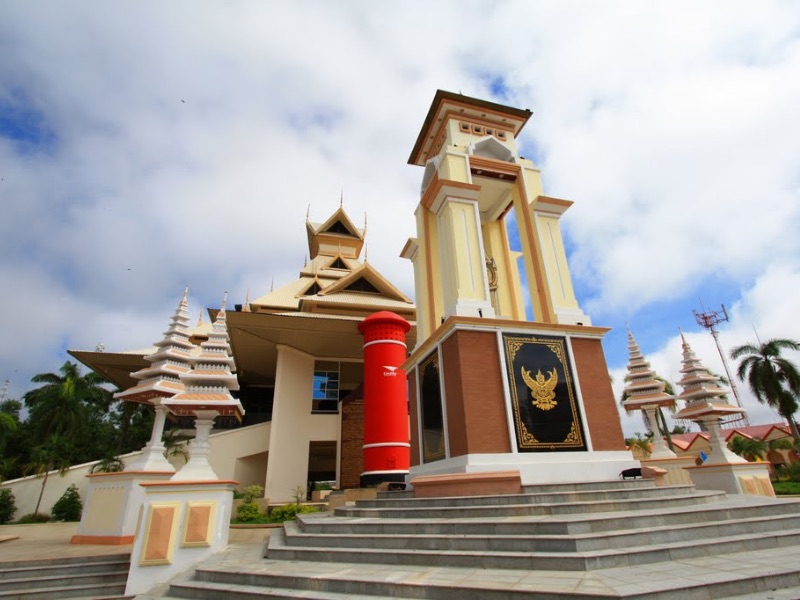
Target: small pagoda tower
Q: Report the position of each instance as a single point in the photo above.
(706, 404)
(207, 394)
(646, 393)
(160, 381)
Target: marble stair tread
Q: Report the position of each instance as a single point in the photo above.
(747, 574)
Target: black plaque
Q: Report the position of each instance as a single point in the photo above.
(545, 409)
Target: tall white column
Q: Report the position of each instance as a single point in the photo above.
(198, 468)
(660, 447)
(719, 449)
(152, 457)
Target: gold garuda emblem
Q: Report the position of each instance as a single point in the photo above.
(541, 389)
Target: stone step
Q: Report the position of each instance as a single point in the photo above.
(298, 534)
(214, 591)
(98, 590)
(750, 574)
(531, 496)
(735, 507)
(280, 547)
(102, 576)
(555, 508)
(10, 573)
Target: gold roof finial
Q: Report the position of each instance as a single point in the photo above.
(246, 307)
(200, 318)
(341, 199)
(308, 212)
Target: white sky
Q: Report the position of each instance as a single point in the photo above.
(149, 145)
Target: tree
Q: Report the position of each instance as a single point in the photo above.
(53, 455)
(773, 379)
(59, 406)
(642, 444)
(751, 449)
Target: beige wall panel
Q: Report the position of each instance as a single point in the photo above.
(293, 425)
(106, 506)
(555, 262)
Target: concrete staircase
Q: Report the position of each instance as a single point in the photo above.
(622, 539)
(79, 577)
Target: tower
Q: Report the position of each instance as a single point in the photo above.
(159, 381)
(207, 394)
(646, 393)
(491, 390)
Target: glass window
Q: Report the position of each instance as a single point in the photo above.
(325, 394)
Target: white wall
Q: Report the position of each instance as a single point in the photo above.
(293, 425)
(226, 448)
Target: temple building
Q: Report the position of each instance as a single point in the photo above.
(298, 362)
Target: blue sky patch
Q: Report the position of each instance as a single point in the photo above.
(25, 125)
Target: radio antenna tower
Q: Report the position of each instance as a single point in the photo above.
(709, 320)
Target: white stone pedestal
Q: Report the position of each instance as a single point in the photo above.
(739, 478)
(182, 523)
(112, 506)
(536, 467)
(675, 467)
(198, 468)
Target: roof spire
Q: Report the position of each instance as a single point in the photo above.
(644, 391)
(272, 285)
(308, 213)
(200, 318)
(341, 199)
(246, 301)
(366, 252)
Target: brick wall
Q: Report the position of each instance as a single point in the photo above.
(352, 441)
(476, 413)
(599, 403)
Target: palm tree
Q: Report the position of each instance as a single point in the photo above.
(773, 379)
(109, 464)
(58, 406)
(751, 449)
(52, 455)
(642, 444)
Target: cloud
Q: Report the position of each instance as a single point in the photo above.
(182, 143)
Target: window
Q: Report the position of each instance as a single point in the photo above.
(325, 394)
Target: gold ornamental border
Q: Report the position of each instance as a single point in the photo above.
(525, 439)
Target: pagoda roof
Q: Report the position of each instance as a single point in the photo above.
(445, 104)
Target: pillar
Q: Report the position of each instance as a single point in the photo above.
(386, 443)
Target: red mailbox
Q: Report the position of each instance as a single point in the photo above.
(387, 451)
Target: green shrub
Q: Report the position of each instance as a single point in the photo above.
(69, 506)
(34, 518)
(248, 512)
(7, 505)
(786, 487)
(251, 492)
(791, 472)
(289, 512)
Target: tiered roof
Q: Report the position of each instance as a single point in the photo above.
(168, 362)
(643, 389)
(335, 281)
(209, 383)
(702, 392)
